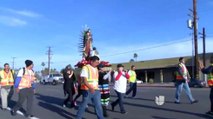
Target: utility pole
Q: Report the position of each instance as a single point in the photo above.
(195, 38)
(49, 53)
(204, 50)
(204, 46)
(13, 62)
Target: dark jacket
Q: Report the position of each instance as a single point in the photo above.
(207, 70)
(101, 80)
(69, 83)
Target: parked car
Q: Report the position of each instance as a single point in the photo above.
(52, 79)
(139, 81)
(196, 83)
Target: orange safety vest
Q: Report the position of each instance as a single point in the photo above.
(26, 80)
(185, 72)
(92, 78)
(6, 78)
(210, 78)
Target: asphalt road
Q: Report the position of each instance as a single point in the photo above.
(48, 105)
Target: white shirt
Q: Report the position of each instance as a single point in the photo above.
(107, 76)
(121, 83)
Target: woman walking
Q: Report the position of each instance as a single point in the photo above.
(69, 88)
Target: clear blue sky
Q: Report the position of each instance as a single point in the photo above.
(28, 27)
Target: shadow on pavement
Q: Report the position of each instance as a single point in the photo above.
(167, 109)
(49, 103)
(90, 109)
(57, 110)
(12, 103)
(146, 99)
(50, 99)
(157, 117)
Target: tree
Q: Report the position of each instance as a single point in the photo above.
(62, 71)
(135, 56)
(42, 64)
(131, 60)
(45, 71)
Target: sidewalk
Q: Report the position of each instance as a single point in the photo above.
(169, 85)
(166, 85)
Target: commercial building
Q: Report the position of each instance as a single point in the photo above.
(162, 70)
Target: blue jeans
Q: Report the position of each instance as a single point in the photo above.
(179, 88)
(133, 89)
(119, 101)
(96, 100)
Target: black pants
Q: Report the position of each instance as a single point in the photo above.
(119, 101)
(133, 87)
(10, 93)
(79, 93)
(26, 93)
(211, 98)
(69, 98)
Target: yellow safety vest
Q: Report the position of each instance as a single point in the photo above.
(26, 80)
(185, 72)
(210, 78)
(6, 78)
(92, 78)
(132, 78)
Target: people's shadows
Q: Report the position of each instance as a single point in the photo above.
(157, 117)
(167, 109)
(50, 99)
(12, 103)
(146, 99)
(49, 103)
(90, 109)
(113, 111)
(57, 110)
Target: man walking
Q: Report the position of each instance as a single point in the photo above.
(132, 81)
(89, 87)
(121, 78)
(6, 84)
(25, 88)
(182, 78)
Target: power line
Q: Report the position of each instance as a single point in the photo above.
(147, 48)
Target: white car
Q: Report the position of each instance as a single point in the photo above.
(53, 79)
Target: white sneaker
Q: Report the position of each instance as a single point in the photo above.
(64, 105)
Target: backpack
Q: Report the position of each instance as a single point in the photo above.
(25, 70)
(12, 74)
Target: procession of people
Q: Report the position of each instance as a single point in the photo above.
(93, 83)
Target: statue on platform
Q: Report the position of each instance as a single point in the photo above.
(87, 48)
(86, 44)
